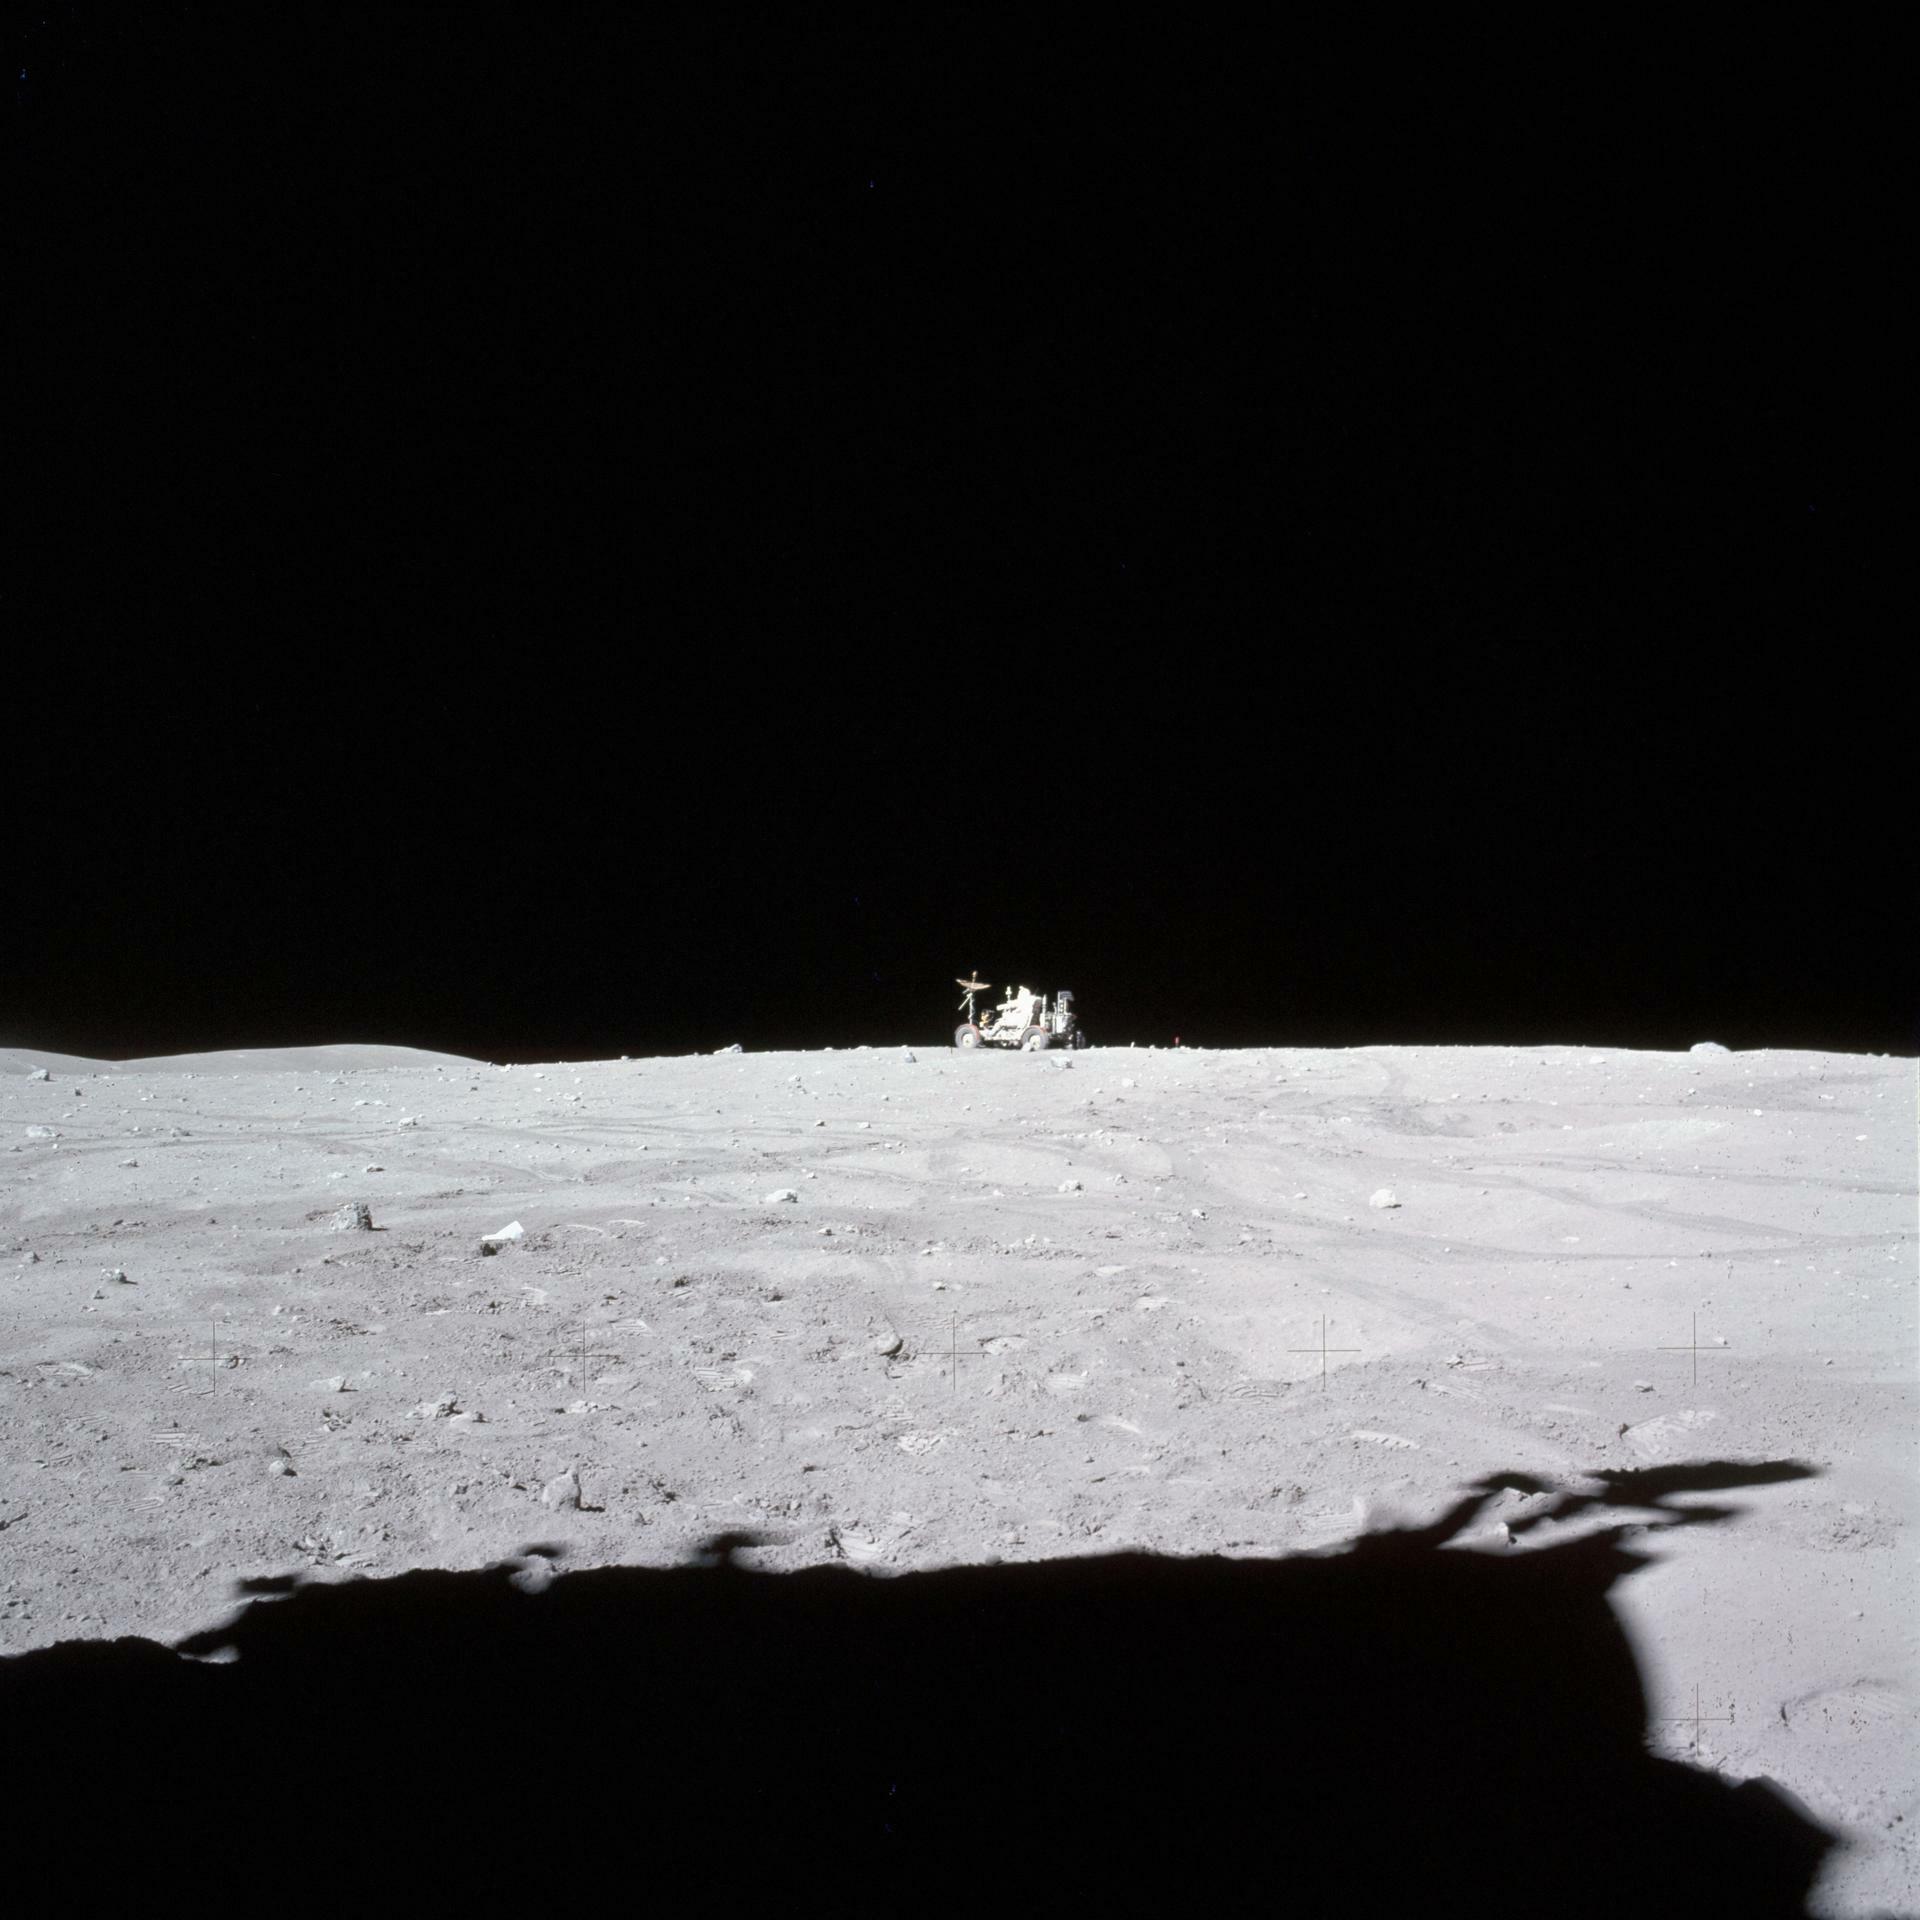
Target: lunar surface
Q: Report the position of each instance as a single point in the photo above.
(348, 1311)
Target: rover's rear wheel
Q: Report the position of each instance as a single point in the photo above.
(1079, 1037)
(1035, 1038)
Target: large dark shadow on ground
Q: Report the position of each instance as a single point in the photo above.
(1388, 1729)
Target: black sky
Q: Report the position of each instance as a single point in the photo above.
(542, 534)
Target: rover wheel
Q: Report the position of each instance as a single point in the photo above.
(966, 1036)
(1079, 1037)
(1035, 1038)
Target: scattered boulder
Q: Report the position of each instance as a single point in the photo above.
(356, 1216)
(886, 1344)
(118, 1275)
(780, 1196)
(1069, 1186)
(39, 1073)
(906, 1054)
(562, 1491)
(493, 1242)
(1707, 1046)
(735, 1048)
(42, 1133)
(1386, 1197)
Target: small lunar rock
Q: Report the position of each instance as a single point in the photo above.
(1069, 1186)
(906, 1054)
(39, 1073)
(41, 1133)
(563, 1491)
(355, 1215)
(279, 1466)
(780, 1196)
(1706, 1046)
(1386, 1197)
(1643, 1386)
(493, 1242)
(408, 1121)
(886, 1343)
(117, 1274)
(735, 1048)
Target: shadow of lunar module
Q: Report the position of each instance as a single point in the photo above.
(1397, 1726)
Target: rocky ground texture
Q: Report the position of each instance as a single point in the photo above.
(360, 1309)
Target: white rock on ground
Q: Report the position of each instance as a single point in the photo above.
(562, 1491)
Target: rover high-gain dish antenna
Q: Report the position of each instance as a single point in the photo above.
(972, 987)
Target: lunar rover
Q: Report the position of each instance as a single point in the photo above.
(1024, 1019)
